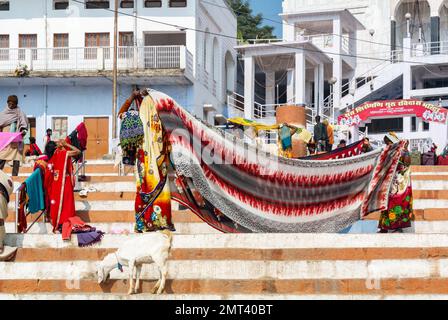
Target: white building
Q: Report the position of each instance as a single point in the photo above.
(68, 47)
(366, 54)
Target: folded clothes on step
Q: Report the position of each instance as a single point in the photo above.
(87, 235)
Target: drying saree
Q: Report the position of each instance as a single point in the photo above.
(237, 188)
(153, 198)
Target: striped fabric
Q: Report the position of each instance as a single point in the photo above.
(236, 188)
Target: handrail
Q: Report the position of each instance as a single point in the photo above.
(429, 48)
(364, 78)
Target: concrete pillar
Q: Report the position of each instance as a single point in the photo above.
(407, 73)
(407, 50)
(288, 32)
(435, 35)
(393, 36)
(337, 61)
(316, 87)
(290, 86)
(407, 81)
(270, 87)
(321, 87)
(249, 87)
(300, 78)
(353, 44)
(407, 125)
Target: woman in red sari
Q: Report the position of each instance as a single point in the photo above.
(61, 197)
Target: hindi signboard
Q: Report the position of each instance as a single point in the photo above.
(393, 108)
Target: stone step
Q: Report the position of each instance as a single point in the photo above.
(126, 195)
(216, 297)
(255, 264)
(330, 287)
(402, 286)
(91, 179)
(185, 216)
(126, 205)
(99, 196)
(435, 268)
(425, 227)
(97, 168)
(123, 228)
(251, 241)
(293, 254)
(425, 169)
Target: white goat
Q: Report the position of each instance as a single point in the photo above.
(145, 249)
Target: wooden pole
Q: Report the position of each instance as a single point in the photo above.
(114, 94)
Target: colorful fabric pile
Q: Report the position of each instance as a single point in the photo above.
(235, 187)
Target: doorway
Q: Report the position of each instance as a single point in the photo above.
(98, 137)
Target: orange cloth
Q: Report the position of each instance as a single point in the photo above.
(330, 132)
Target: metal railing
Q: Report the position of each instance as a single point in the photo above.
(96, 58)
(429, 48)
(420, 145)
(258, 41)
(369, 76)
(235, 101)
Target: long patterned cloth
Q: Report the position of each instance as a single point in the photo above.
(399, 213)
(235, 187)
(153, 198)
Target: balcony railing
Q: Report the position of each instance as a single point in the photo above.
(429, 48)
(97, 58)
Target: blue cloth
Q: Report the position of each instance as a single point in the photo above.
(35, 191)
(285, 137)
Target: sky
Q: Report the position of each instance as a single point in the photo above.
(270, 9)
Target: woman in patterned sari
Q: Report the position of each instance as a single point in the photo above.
(153, 197)
(399, 214)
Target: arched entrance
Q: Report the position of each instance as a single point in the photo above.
(229, 73)
(443, 13)
(420, 23)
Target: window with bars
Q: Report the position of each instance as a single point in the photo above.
(97, 4)
(94, 41)
(153, 4)
(127, 4)
(4, 5)
(60, 45)
(178, 3)
(27, 41)
(126, 44)
(60, 128)
(60, 4)
(4, 47)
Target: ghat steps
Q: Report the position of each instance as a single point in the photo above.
(205, 264)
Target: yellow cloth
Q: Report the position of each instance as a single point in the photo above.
(250, 123)
(302, 134)
(305, 136)
(330, 132)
